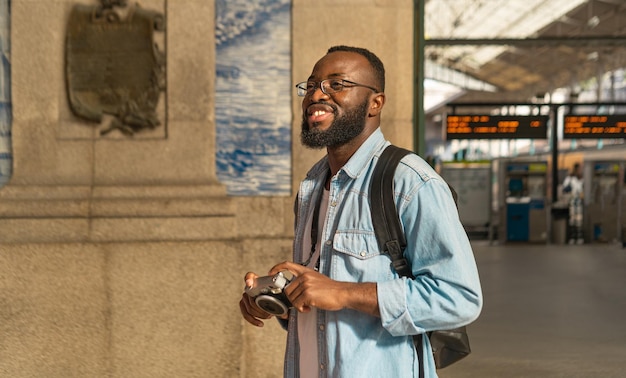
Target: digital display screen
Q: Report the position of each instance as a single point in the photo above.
(594, 126)
(496, 127)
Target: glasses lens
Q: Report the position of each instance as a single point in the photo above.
(301, 89)
(332, 85)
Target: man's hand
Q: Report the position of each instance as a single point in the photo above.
(310, 288)
(249, 309)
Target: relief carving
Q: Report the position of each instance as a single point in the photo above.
(113, 65)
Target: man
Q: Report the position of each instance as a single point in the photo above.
(352, 315)
(573, 188)
(573, 183)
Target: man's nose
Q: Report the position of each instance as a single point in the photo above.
(318, 93)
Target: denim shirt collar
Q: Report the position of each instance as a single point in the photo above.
(359, 162)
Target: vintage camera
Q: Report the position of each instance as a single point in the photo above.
(269, 295)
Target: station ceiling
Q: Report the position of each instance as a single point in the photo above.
(520, 49)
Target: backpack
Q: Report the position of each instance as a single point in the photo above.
(448, 346)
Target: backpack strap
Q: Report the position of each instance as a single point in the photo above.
(387, 226)
(385, 219)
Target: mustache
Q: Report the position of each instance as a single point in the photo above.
(306, 112)
(324, 103)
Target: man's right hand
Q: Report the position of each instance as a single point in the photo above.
(249, 309)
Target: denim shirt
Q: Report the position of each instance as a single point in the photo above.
(444, 294)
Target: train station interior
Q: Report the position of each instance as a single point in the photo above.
(555, 63)
(552, 262)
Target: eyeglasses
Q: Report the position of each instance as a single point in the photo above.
(328, 86)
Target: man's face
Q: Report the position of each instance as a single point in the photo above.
(331, 120)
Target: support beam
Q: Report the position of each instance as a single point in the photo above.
(613, 41)
(419, 119)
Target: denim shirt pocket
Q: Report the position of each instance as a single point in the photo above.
(357, 258)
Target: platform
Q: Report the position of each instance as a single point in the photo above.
(549, 311)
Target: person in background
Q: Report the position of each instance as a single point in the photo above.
(573, 187)
(353, 315)
(573, 182)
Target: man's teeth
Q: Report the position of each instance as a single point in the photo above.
(318, 113)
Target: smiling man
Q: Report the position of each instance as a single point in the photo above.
(351, 314)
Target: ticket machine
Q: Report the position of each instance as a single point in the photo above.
(604, 200)
(524, 211)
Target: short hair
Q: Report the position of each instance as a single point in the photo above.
(375, 62)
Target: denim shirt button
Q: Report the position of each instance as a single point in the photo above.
(321, 327)
(333, 203)
(329, 242)
(363, 253)
(321, 366)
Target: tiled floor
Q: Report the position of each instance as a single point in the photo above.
(549, 311)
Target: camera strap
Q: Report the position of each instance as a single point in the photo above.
(315, 222)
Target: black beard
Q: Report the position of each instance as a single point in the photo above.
(341, 131)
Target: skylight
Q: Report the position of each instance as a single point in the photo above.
(463, 19)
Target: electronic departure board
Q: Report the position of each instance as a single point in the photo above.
(594, 126)
(496, 127)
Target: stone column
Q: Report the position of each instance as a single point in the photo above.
(119, 255)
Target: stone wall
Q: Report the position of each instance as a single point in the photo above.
(124, 257)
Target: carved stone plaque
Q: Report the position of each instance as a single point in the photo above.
(114, 67)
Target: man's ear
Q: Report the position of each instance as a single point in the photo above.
(377, 101)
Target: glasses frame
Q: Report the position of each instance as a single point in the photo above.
(303, 91)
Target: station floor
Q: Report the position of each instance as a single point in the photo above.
(549, 311)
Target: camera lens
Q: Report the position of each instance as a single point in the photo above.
(271, 305)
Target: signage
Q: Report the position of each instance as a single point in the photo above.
(594, 126)
(496, 127)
